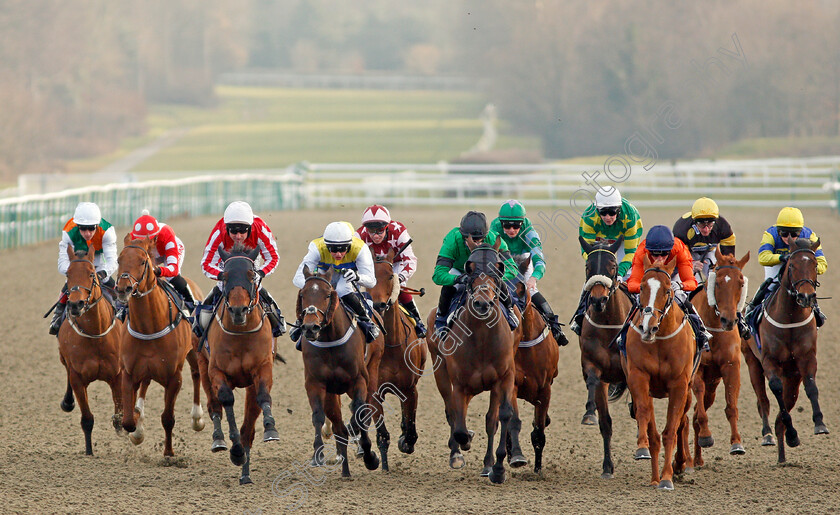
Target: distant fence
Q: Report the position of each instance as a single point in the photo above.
(387, 81)
(36, 218)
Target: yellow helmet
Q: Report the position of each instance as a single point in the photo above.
(790, 217)
(704, 207)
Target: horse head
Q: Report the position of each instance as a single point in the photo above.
(316, 303)
(81, 281)
(486, 269)
(135, 273)
(240, 281)
(655, 296)
(801, 272)
(387, 287)
(726, 288)
(601, 271)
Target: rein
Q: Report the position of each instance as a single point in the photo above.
(137, 294)
(791, 288)
(253, 301)
(137, 282)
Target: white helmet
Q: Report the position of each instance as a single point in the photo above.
(239, 213)
(338, 232)
(611, 199)
(376, 213)
(87, 213)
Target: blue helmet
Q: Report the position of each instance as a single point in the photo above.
(659, 239)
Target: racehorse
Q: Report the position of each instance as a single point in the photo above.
(536, 367)
(403, 360)
(658, 363)
(89, 341)
(600, 358)
(788, 337)
(239, 354)
(477, 355)
(334, 363)
(158, 340)
(726, 293)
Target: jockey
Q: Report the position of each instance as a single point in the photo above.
(660, 242)
(524, 244)
(773, 252)
(609, 217)
(703, 230)
(86, 228)
(452, 258)
(239, 225)
(382, 234)
(351, 262)
(168, 253)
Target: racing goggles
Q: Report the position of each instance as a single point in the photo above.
(238, 228)
(609, 211)
(338, 247)
(376, 228)
(784, 233)
(511, 224)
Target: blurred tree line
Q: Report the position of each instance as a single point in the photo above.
(584, 76)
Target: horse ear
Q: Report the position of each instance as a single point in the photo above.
(498, 243)
(91, 253)
(223, 254)
(718, 255)
(253, 254)
(815, 245)
(127, 238)
(70, 253)
(744, 260)
(306, 274)
(469, 267)
(585, 245)
(616, 245)
(669, 266)
(327, 274)
(298, 306)
(334, 302)
(521, 291)
(390, 256)
(501, 267)
(646, 260)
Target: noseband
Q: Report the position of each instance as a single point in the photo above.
(135, 283)
(601, 278)
(87, 304)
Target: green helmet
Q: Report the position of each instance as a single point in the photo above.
(512, 210)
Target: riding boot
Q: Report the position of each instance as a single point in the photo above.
(447, 293)
(506, 297)
(183, 288)
(550, 318)
(58, 314)
(272, 311)
(701, 336)
(622, 334)
(411, 307)
(760, 293)
(206, 305)
(743, 327)
(370, 329)
(818, 314)
(577, 318)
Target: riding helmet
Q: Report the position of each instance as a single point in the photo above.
(239, 212)
(512, 210)
(87, 213)
(790, 217)
(704, 207)
(659, 239)
(474, 224)
(608, 197)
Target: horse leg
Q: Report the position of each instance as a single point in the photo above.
(491, 420)
(317, 397)
(808, 371)
(655, 446)
(682, 459)
(263, 401)
(409, 429)
(139, 434)
(80, 391)
(643, 408)
(361, 415)
(68, 402)
(704, 391)
(784, 424)
(538, 433)
(731, 373)
(592, 382)
(506, 414)
(762, 401)
(459, 438)
(197, 414)
(225, 395)
(383, 441)
(676, 409)
(167, 418)
(605, 426)
(515, 456)
(249, 422)
(129, 420)
(332, 407)
(116, 395)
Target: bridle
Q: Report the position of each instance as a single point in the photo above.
(649, 310)
(87, 305)
(711, 286)
(315, 310)
(792, 288)
(613, 282)
(251, 287)
(135, 283)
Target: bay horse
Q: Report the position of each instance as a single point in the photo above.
(476, 355)
(659, 360)
(158, 339)
(334, 363)
(536, 367)
(788, 337)
(600, 359)
(726, 294)
(89, 342)
(403, 360)
(239, 354)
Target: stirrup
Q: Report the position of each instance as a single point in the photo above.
(420, 329)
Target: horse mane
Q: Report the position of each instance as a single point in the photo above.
(485, 258)
(241, 248)
(802, 243)
(80, 253)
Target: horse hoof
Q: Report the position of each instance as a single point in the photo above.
(666, 485)
(372, 461)
(136, 437)
(606, 475)
(642, 454)
(768, 441)
(245, 480)
(457, 461)
(198, 424)
(116, 421)
(67, 407)
(737, 449)
(589, 420)
(271, 435)
(218, 445)
(705, 441)
(497, 476)
(404, 446)
(485, 472)
(792, 441)
(820, 429)
(518, 461)
(237, 454)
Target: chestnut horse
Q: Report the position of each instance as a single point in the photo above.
(726, 294)
(659, 360)
(403, 360)
(788, 337)
(536, 367)
(89, 341)
(600, 359)
(477, 355)
(334, 363)
(158, 340)
(239, 354)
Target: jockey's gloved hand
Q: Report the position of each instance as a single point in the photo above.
(219, 276)
(402, 279)
(157, 271)
(102, 274)
(351, 276)
(462, 279)
(681, 296)
(261, 273)
(784, 257)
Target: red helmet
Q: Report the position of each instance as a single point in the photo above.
(376, 214)
(145, 227)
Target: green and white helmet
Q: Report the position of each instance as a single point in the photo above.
(512, 210)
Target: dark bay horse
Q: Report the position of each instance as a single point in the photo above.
(725, 296)
(158, 339)
(659, 360)
(600, 359)
(788, 336)
(239, 354)
(89, 341)
(536, 367)
(478, 355)
(334, 363)
(403, 360)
